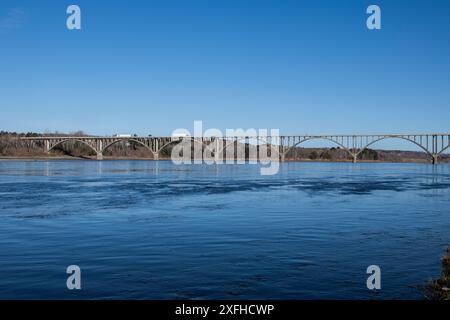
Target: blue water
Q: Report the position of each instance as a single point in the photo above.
(155, 230)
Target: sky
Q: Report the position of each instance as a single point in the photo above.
(150, 67)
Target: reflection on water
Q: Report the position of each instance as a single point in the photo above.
(145, 229)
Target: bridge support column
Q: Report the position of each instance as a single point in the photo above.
(99, 156)
(282, 157)
(354, 158)
(217, 146)
(46, 145)
(156, 156)
(435, 159)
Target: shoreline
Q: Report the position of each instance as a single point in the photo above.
(68, 158)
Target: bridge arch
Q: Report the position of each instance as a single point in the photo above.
(320, 138)
(128, 140)
(443, 150)
(225, 144)
(396, 137)
(77, 140)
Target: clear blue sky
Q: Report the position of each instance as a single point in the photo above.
(154, 66)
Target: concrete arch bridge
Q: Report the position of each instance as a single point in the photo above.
(433, 144)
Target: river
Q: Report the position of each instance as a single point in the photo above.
(156, 230)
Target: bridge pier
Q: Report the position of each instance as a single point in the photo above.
(217, 148)
(435, 159)
(354, 158)
(99, 156)
(156, 156)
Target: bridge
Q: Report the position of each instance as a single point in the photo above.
(433, 144)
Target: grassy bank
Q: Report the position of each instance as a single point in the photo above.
(439, 289)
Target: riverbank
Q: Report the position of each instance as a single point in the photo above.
(440, 289)
(70, 158)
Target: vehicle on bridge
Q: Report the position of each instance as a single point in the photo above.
(122, 135)
(179, 135)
